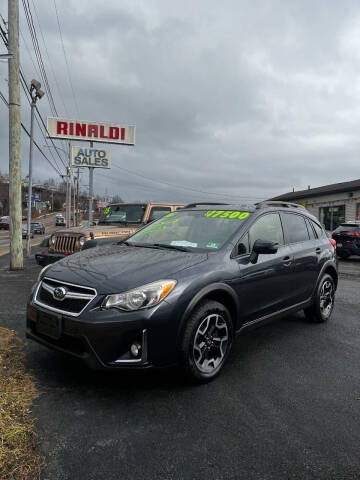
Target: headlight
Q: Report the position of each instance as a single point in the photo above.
(82, 241)
(52, 239)
(42, 273)
(142, 297)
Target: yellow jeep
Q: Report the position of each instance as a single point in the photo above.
(117, 222)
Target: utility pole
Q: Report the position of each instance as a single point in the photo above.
(15, 211)
(29, 202)
(68, 191)
(91, 192)
(74, 202)
(35, 94)
(91, 188)
(77, 197)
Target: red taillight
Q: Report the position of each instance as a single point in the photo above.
(66, 254)
(352, 234)
(333, 243)
(43, 252)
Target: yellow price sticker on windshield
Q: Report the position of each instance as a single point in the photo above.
(227, 214)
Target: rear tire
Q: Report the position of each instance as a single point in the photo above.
(324, 300)
(206, 341)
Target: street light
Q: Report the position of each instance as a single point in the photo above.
(35, 94)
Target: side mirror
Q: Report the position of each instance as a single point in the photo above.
(262, 247)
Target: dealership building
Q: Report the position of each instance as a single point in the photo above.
(331, 204)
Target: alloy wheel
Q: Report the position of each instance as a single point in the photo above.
(326, 298)
(210, 343)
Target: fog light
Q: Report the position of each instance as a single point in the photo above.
(135, 349)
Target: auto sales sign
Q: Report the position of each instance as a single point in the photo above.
(90, 131)
(90, 157)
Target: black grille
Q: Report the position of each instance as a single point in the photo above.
(70, 305)
(76, 298)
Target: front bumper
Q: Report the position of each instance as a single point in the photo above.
(44, 259)
(102, 339)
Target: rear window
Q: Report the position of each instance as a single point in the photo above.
(347, 228)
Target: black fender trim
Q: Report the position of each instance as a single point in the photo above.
(329, 265)
(206, 292)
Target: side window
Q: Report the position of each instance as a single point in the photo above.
(157, 212)
(318, 230)
(268, 227)
(295, 228)
(310, 229)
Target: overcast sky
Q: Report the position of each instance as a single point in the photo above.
(243, 98)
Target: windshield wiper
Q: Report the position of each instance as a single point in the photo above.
(144, 245)
(173, 247)
(155, 245)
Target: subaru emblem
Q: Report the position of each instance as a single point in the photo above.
(59, 293)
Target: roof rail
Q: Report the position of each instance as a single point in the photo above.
(192, 205)
(278, 204)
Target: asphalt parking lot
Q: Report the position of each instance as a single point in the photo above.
(285, 407)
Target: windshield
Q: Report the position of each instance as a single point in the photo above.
(123, 213)
(192, 230)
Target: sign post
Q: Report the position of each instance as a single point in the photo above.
(91, 158)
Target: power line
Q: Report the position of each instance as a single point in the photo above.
(29, 53)
(49, 59)
(3, 35)
(38, 55)
(3, 98)
(66, 60)
(182, 187)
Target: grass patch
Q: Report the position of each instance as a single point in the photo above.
(19, 452)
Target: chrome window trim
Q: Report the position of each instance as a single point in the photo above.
(58, 310)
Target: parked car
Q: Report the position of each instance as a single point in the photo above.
(347, 237)
(4, 223)
(118, 221)
(179, 290)
(60, 221)
(38, 227)
(25, 231)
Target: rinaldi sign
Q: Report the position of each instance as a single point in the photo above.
(90, 157)
(91, 131)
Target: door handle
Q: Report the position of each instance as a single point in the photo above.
(287, 261)
(318, 250)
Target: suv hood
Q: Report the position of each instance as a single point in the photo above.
(101, 231)
(117, 268)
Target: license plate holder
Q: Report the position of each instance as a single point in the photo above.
(49, 325)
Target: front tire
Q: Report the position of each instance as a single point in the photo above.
(206, 341)
(324, 301)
